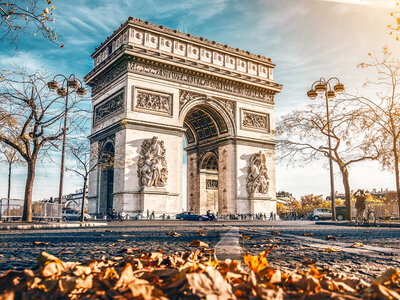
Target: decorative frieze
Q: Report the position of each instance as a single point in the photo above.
(257, 174)
(199, 80)
(255, 120)
(185, 97)
(109, 107)
(212, 184)
(228, 105)
(154, 101)
(152, 164)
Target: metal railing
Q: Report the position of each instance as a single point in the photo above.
(11, 209)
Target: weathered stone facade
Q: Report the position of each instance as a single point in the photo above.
(151, 87)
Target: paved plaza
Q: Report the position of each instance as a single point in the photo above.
(294, 243)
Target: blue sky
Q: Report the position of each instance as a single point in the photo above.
(306, 39)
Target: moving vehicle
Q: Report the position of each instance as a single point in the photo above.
(322, 213)
(340, 212)
(189, 216)
(73, 215)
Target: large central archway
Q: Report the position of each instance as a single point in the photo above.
(207, 125)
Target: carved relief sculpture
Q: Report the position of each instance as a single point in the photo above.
(257, 174)
(212, 184)
(109, 107)
(152, 165)
(256, 121)
(154, 101)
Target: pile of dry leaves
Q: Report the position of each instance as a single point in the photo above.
(198, 275)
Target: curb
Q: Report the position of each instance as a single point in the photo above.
(50, 226)
(338, 223)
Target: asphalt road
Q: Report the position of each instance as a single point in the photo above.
(290, 249)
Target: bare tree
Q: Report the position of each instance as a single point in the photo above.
(33, 16)
(31, 121)
(87, 161)
(11, 157)
(302, 137)
(383, 109)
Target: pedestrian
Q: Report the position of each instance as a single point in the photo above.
(274, 216)
(360, 204)
(152, 215)
(271, 216)
(148, 214)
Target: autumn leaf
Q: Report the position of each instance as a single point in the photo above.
(308, 234)
(330, 237)
(246, 237)
(197, 243)
(201, 233)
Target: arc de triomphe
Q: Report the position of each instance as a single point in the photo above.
(153, 86)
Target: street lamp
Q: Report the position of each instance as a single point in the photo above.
(65, 87)
(325, 86)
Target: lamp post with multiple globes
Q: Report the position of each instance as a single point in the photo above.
(318, 88)
(64, 87)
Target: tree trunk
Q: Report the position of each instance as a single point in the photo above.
(27, 213)
(347, 192)
(9, 181)
(396, 172)
(83, 199)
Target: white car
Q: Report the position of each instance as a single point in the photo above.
(322, 213)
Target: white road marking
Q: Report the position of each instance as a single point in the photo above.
(367, 250)
(228, 246)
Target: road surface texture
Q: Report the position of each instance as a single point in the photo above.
(364, 252)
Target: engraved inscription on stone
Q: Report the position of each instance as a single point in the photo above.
(154, 101)
(108, 107)
(257, 174)
(212, 184)
(152, 164)
(255, 120)
(199, 81)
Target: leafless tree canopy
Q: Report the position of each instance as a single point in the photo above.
(27, 16)
(31, 120)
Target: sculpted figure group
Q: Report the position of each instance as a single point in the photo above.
(152, 165)
(257, 174)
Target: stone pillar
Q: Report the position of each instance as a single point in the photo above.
(227, 200)
(93, 184)
(193, 183)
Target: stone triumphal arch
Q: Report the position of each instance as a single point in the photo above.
(151, 88)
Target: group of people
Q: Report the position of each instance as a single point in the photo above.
(249, 216)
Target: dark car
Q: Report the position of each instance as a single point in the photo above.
(73, 215)
(340, 212)
(310, 217)
(189, 216)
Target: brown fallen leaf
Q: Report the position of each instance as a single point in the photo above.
(308, 234)
(201, 233)
(197, 243)
(127, 235)
(41, 243)
(246, 237)
(275, 232)
(331, 249)
(65, 252)
(174, 234)
(330, 237)
(357, 244)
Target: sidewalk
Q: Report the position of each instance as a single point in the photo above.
(44, 225)
(347, 223)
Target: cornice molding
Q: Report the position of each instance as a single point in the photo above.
(128, 63)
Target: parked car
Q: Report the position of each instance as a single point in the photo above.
(189, 216)
(310, 217)
(73, 215)
(322, 213)
(340, 212)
